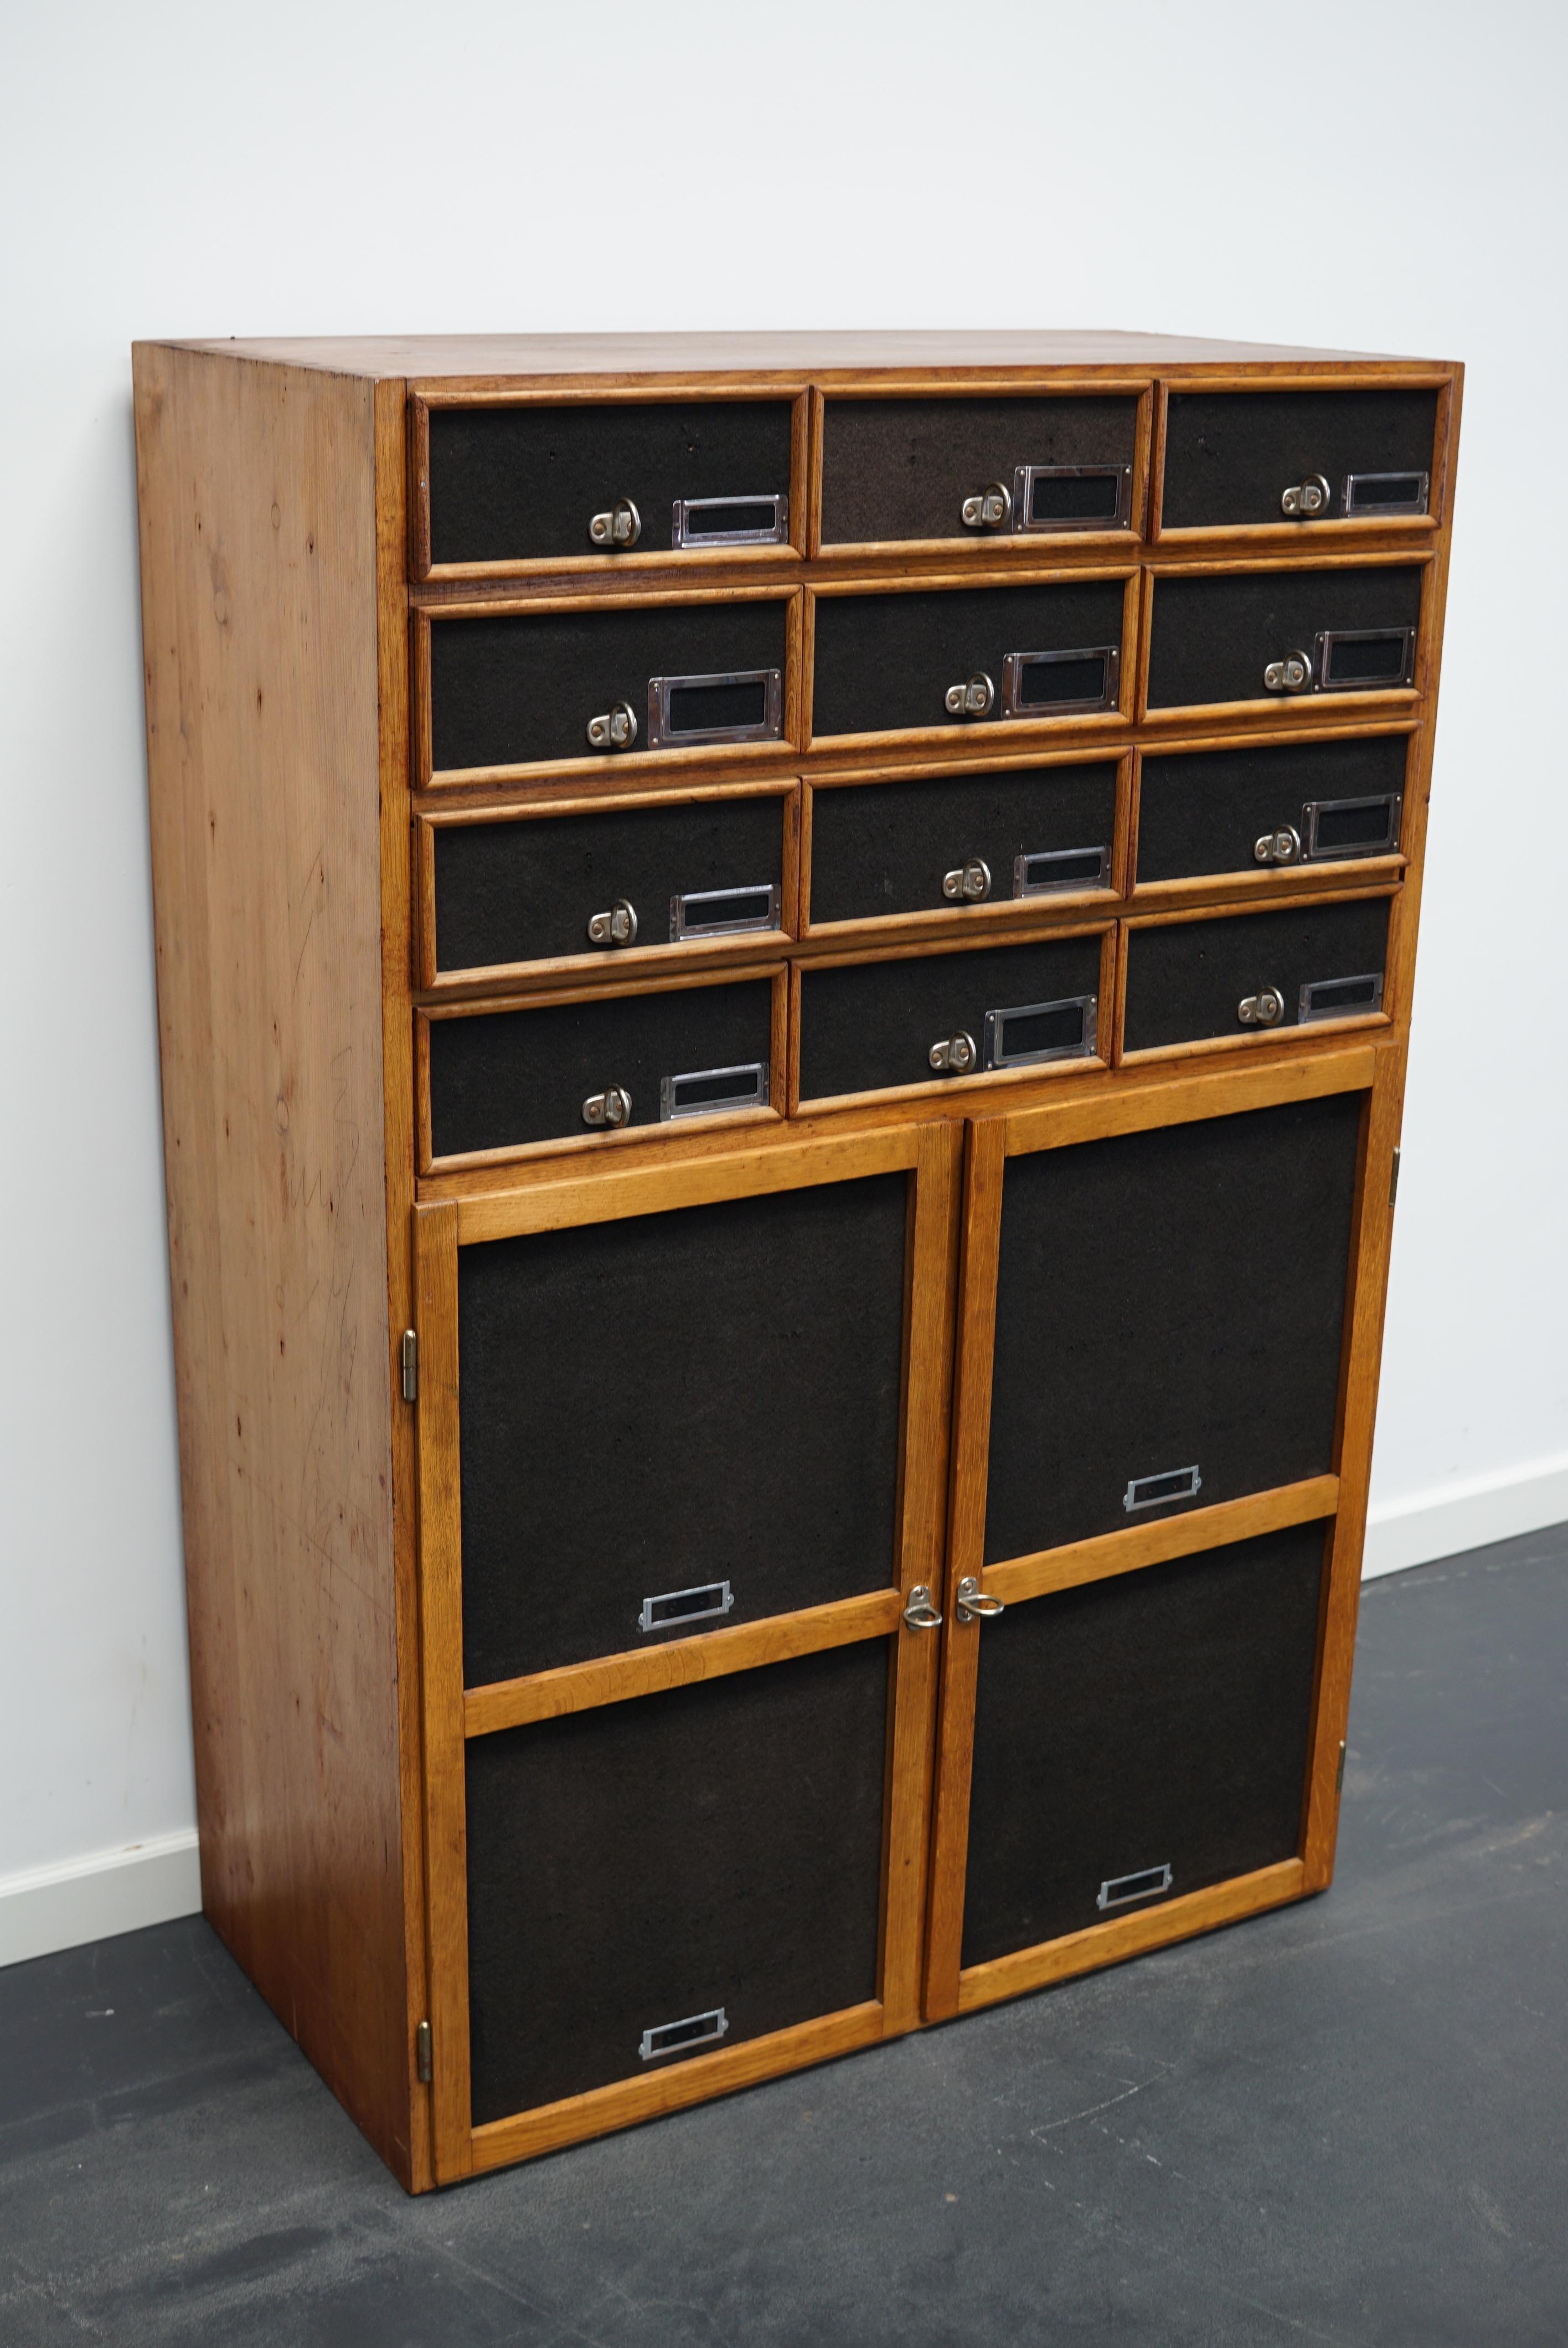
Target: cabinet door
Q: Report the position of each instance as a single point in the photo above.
(682, 1454)
(1170, 1311)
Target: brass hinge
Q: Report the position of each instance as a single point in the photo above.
(1394, 1178)
(411, 1366)
(421, 2062)
(1339, 1773)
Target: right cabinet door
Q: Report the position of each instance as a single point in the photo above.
(1166, 1325)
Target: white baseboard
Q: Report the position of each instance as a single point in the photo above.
(1465, 1514)
(43, 1909)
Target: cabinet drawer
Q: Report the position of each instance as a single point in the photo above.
(680, 1422)
(1279, 635)
(1169, 1322)
(925, 1020)
(586, 480)
(1241, 459)
(506, 1079)
(591, 882)
(975, 469)
(507, 691)
(1254, 973)
(1269, 807)
(967, 656)
(678, 1871)
(1140, 1738)
(949, 843)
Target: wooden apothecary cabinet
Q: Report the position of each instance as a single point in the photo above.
(784, 972)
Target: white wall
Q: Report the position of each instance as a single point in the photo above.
(1386, 177)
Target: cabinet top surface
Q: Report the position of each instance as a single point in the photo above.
(432, 356)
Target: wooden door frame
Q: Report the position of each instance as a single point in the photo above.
(928, 1153)
(1338, 1500)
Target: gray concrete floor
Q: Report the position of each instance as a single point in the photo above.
(1345, 2122)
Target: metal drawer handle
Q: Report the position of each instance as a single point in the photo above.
(683, 1606)
(730, 521)
(921, 1614)
(675, 2037)
(976, 698)
(708, 1092)
(1153, 1491)
(621, 526)
(610, 1108)
(1264, 1009)
(969, 883)
(618, 927)
(1340, 998)
(1291, 675)
(718, 912)
(1306, 501)
(1343, 827)
(1387, 493)
(1281, 847)
(954, 1055)
(1145, 1885)
(974, 1605)
(615, 730)
(990, 509)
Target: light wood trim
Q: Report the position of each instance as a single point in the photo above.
(417, 487)
(696, 2081)
(1129, 1936)
(616, 1679)
(1357, 1415)
(608, 1193)
(441, 1635)
(1182, 1099)
(1134, 1546)
(966, 1549)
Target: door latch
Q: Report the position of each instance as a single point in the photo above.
(976, 698)
(621, 526)
(1306, 501)
(955, 1056)
(612, 1107)
(615, 730)
(1291, 675)
(974, 1605)
(616, 928)
(1281, 847)
(969, 883)
(991, 509)
(1264, 1009)
(920, 1612)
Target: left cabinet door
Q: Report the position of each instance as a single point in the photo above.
(682, 1458)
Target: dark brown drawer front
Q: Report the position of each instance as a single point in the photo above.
(884, 663)
(881, 849)
(923, 469)
(530, 483)
(679, 1422)
(1140, 1738)
(1269, 808)
(500, 1079)
(1236, 458)
(524, 687)
(655, 1878)
(1282, 635)
(1190, 980)
(538, 888)
(868, 1027)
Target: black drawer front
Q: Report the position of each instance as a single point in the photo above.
(1311, 802)
(1168, 1302)
(886, 663)
(1140, 1738)
(1220, 639)
(528, 891)
(521, 484)
(678, 1422)
(500, 1079)
(522, 687)
(1188, 980)
(865, 1026)
(712, 1854)
(880, 848)
(1234, 457)
(905, 469)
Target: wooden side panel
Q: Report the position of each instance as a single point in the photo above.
(259, 584)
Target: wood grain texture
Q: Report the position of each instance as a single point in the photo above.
(258, 557)
(1134, 1546)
